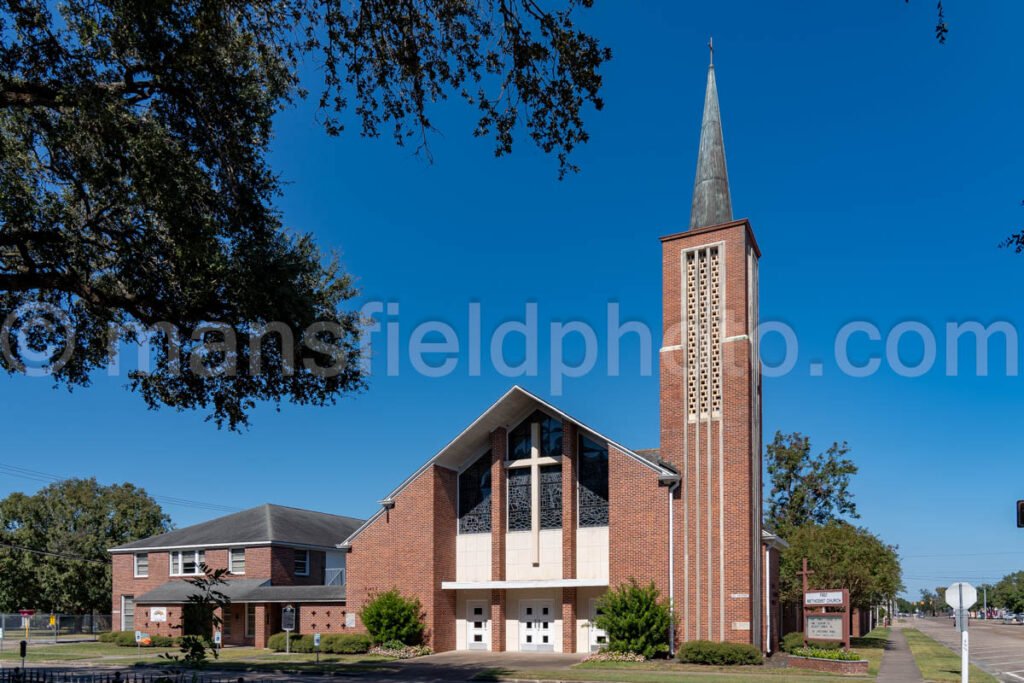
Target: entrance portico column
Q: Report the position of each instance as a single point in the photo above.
(499, 602)
(569, 620)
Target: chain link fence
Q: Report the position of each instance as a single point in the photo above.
(45, 626)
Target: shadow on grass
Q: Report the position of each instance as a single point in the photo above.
(492, 674)
(868, 642)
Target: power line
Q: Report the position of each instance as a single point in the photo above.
(65, 556)
(43, 477)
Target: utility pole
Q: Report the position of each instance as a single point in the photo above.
(984, 592)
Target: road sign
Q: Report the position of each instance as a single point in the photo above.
(138, 636)
(316, 640)
(217, 638)
(961, 595)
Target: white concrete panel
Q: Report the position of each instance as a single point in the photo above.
(518, 566)
(592, 553)
(473, 557)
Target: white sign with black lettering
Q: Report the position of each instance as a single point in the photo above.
(823, 598)
(824, 627)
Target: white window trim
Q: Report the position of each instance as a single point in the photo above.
(123, 598)
(181, 555)
(135, 566)
(231, 562)
(305, 573)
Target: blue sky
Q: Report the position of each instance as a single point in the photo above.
(879, 170)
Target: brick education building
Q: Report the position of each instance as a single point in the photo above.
(510, 534)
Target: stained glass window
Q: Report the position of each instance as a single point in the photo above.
(593, 477)
(475, 497)
(519, 499)
(551, 497)
(550, 437)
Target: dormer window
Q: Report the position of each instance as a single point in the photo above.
(301, 562)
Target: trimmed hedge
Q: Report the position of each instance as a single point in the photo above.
(723, 654)
(330, 643)
(127, 639)
(826, 653)
(795, 641)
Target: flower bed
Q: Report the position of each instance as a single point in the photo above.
(831, 665)
(403, 652)
(606, 656)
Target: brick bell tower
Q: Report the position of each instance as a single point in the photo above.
(711, 404)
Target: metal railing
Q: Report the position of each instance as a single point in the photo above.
(63, 626)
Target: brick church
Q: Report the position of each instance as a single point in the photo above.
(511, 534)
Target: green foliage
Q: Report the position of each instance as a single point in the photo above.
(1009, 592)
(390, 616)
(841, 556)
(807, 488)
(135, 187)
(635, 619)
(721, 654)
(75, 520)
(127, 639)
(794, 641)
(346, 643)
(201, 606)
(276, 641)
(837, 654)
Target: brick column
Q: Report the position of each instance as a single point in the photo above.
(499, 600)
(261, 635)
(569, 494)
(569, 620)
(499, 506)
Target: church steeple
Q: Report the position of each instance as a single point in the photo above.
(711, 202)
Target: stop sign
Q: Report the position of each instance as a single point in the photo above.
(955, 591)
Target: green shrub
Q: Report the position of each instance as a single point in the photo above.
(722, 654)
(635, 619)
(276, 641)
(826, 653)
(795, 640)
(346, 643)
(107, 637)
(390, 616)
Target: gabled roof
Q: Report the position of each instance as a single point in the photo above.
(264, 525)
(508, 411)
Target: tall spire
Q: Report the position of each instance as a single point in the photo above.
(711, 202)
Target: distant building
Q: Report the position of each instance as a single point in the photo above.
(275, 556)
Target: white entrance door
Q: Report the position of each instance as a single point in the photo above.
(598, 638)
(536, 620)
(478, 625)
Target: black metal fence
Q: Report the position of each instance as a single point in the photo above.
(44, 676)
(43, 626)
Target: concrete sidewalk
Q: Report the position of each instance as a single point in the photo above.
(898, 663)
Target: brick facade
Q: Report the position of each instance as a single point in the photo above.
(718, 547)
(412, 547)
(276, 563)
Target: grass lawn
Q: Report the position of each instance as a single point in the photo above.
(78, 652)
(870, 647)
(937, 662)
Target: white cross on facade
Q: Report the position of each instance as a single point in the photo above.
(534, 462)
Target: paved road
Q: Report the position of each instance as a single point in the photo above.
(995, 647)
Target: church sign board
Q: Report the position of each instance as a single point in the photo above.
(827, 615)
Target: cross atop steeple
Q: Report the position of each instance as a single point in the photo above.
(711, 201)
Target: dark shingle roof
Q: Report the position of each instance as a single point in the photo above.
(244, 590)
(259, 525)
